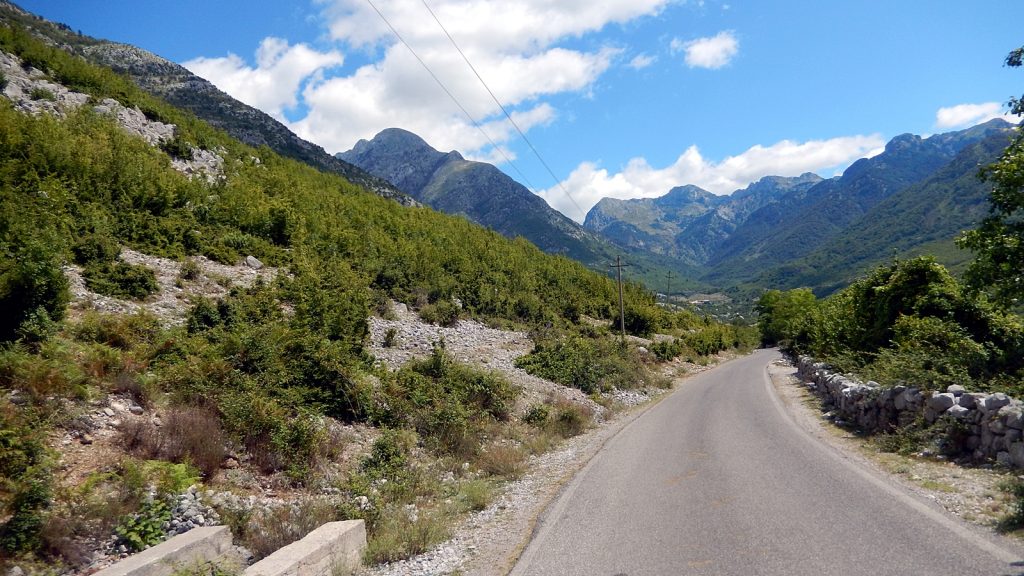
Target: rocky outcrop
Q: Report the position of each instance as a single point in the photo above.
(982, 426)
(32, 92)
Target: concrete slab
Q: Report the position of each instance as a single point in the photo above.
(335, 547)
(197, 545)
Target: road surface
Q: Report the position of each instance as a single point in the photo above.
(717, 479)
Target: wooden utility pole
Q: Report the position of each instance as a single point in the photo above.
(622, 310)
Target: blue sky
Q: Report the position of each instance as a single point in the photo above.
(622, 98)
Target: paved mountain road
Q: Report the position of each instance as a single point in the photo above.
(717, 479)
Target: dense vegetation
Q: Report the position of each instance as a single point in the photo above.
(910, 322)
(263, 367)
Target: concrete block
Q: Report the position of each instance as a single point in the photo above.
(333, 546)
(197, 545)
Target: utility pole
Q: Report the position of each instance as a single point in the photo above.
(622, 310)
(668, 290)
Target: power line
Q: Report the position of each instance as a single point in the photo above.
(504, 110)
(450, 95)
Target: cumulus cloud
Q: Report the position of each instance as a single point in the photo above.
(588, 183)
(514, 44)
(642, 61)
(711, 52)
(965, 115)
(273, 84)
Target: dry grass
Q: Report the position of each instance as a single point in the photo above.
(502, 460)
(188, 434)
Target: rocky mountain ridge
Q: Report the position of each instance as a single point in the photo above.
(484, 194)
(178, 86)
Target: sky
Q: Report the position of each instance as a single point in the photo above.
(620, 98)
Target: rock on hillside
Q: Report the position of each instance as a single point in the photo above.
(181, 88)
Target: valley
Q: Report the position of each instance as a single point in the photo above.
(219, 313)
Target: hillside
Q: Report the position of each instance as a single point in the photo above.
(922, 219)
(485, 195)
(198, 331)
(688, 223)
(773, 238)
(179, 87)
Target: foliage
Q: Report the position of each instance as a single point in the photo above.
(590, 362)
(998, 242)
(782, 315)
(39, 93)
(121, 280)
(145, 528)
(443, 313)
(910, 322)
(445, 402)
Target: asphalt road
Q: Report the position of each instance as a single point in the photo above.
(717, 479)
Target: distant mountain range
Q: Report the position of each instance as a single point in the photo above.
(486, 195)
(786, 232)
(914, 197)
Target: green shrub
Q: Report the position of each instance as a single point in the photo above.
(665, 350)
(40, 93)
(190, 270)
(32, 286)
(537, 415)
(442, 313)
(26, 510)
(146, 527)
(95, 248)
(390, 338)
(120, 280)
(177, 147)
(389, 455)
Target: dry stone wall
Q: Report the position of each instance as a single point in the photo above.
(989, 426)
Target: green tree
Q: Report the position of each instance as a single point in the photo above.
(782, 316)
(998, 243)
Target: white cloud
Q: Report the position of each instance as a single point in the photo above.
(273, 85)
(514, 44)
(712, 52)
(641, 61)
(588, 183)
(965, 115)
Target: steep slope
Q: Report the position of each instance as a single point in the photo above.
(921, 219)
(772, 237)
(688, 223)
(485, 195)
(177, 86)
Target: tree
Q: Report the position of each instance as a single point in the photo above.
(783, 316)
(998, 243)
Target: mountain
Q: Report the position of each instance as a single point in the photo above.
(688, 223)
(799, 225)
(485, 195)
(179, 87)
(920, 219)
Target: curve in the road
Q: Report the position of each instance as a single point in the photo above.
(717, 479)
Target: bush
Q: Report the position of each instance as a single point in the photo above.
(32, 286)
(95, 248)
(442, 313)
(188, 434)
(120, 280)
(40, 93)
(666, 350)
(146, 527)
